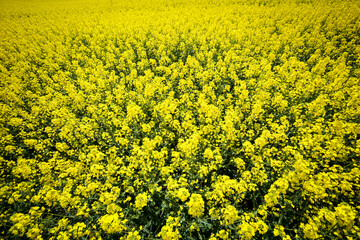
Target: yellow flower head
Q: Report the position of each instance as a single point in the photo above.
(230, 215)
(183, 194)
(196, 205)
(141, 200)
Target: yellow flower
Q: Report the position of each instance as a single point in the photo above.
(247, 231)
(36, 212)
(310, 230)
(262, 227)
(34, 233)
(345, 214)
(21, 221)
(78, 229)
(208, 154)
(133, 235)
(113, 208)
(279, 230)
(223, 234)
(196, 205)
(141, 200)
(111, 223)
(183, 194)
(170, 231)
(230, 215)
(107, 198)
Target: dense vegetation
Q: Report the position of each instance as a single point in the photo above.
(179, 119)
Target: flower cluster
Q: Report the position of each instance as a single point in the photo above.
(196, 205)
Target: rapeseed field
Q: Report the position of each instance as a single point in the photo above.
(179, 119)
